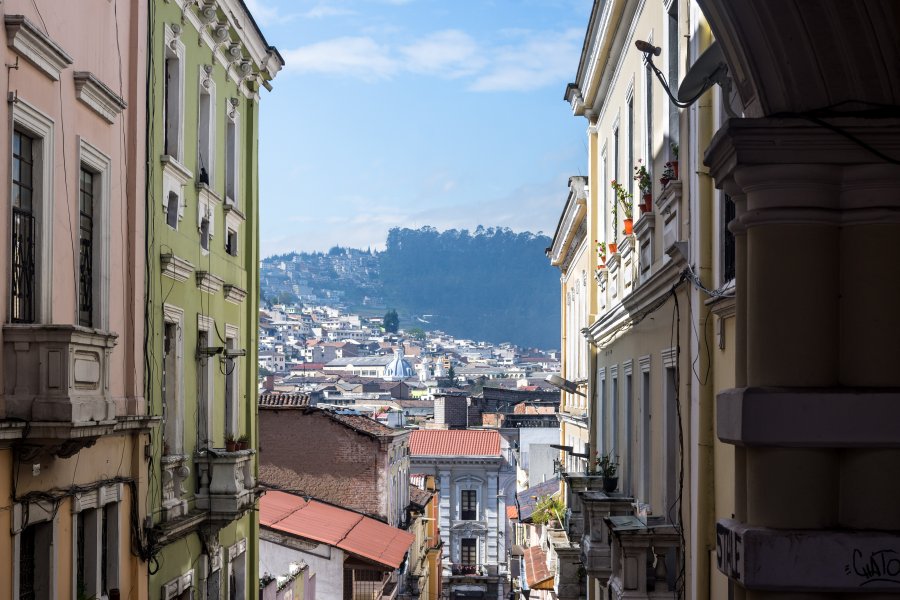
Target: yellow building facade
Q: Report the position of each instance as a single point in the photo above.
(659, 337)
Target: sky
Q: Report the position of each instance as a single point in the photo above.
(406, 113)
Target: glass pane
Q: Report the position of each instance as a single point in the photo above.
(25, 150)
(25, 174)
(16, 170)
(17, 143)
(24, 199)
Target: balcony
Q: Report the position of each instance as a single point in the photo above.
(227, 483)
(564, 559)
(57, 378)
(646, 557)
(595, 543)
(577, 484)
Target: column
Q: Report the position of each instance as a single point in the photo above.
(818, 475)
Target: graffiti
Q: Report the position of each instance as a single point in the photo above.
(881, 566)
(729, 551)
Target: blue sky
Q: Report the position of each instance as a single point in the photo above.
(447, 113)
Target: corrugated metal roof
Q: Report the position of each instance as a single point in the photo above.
(352, 532)
(454, 442)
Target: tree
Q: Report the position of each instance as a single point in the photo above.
(416, 333)
(391, 321)
(451, 375)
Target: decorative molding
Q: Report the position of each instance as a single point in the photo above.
(644, 363)
(209, 283)
(205, 323)
(173, 314)
(669, 357)
(234, 294)
(33, 45)
(176, 587)
(177, 268)
(97, 498)
(628, 367)
(572, 218)
(233, 216)
(232, 331)
(237, 549)
(98, 96)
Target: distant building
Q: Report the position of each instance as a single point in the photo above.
(467, 465)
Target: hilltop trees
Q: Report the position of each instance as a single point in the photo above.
(391, 321)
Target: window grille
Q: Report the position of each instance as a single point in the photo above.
(86, 264)
(727, 241)
(23, 230)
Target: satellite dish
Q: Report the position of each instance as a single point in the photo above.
(709, 69)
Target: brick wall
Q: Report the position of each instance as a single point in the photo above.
(451, 411)
(305, 451)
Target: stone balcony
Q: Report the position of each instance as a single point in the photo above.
(57, 379)
(564, 557)
(596, 554)
(577, 484)
(646, 557)
(227, 483)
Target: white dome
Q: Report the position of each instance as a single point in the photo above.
(399, 368)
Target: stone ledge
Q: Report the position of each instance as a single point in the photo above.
(35, 46)
(98, 96)
(856, 562)
(809, 418)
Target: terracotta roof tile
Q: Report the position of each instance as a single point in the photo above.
(364, 424)
(352, 532)
(454, 442)
(285, 400)
(536, 571)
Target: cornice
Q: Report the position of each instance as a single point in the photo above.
(35, 46)
(234, 294)
(174, 267)
(209, 283)
(571, 219)
(98, 96)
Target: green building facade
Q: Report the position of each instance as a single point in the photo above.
(208, 61)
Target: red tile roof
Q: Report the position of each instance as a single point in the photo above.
(283, 400)
(350, 531)
(512, 512)
(537, 574)
(454, 442)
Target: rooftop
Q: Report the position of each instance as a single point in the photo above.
(283, 400)
(454, 442)
(352, 532)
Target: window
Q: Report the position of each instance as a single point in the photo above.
(231, 154)
(726, 244)
(205, 391)
(97, 540)
(86, 254)
(468, 505)
(648, 103)
(231, 392)
(35, 546)
(172, 390)
(673, 75)
(231, 245)
(646, 464)
(630, 148)
(204, 233)
(626, 458)
(671, 437)
(468, 552)
(613, 415)
(237, 571)
(23, 230)
(173, 93)
(206, 127)
(172, 208)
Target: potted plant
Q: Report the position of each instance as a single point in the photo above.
(642, 176)
(668, 174)
(549, 509)
(601, 253)
(243, 442)
(608, 466)
(674, 162)
(230, 443)
(623, 198)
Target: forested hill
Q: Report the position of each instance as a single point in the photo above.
(491, 284)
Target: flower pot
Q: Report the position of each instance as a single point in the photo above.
(675, 168)
(629, 226)
(664, 181)
(231, 445)
(610, 484)
(647, 206)
(613, 247)
(243, 445)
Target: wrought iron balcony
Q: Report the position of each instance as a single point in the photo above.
(227, 483)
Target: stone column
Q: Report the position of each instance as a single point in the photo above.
(818, 333)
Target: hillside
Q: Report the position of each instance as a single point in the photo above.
(491, 284)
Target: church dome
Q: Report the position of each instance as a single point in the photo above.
(399, 368)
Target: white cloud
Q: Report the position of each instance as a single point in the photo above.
(534, 62)
(523, 61)
(450, 53)
(323, 10)
(263, 13)
(359, 57)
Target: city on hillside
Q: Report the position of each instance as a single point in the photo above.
(258, 345)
